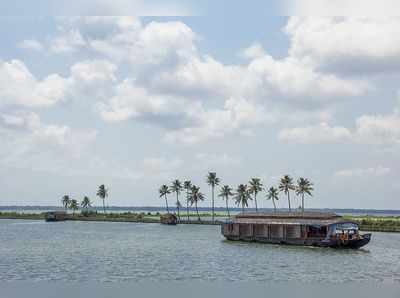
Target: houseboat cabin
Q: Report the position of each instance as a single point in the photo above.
(55, 216)
(308, 228)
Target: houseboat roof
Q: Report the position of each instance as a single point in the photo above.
(289, 218)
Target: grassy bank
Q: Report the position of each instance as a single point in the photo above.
(377, 223)
(366, 223)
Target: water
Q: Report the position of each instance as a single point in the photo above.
(115, 252)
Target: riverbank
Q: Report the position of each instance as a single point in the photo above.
(366, 223)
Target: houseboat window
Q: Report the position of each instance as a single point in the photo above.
(316, 231)
(346, 226)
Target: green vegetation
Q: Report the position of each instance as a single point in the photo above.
(213, 181)
(164, 190)
(226, 192)
(242, 196)
(254, 188)
(286, 185)
(304, 186)
(195, 196)
(102, 193)
(366, 223)
(377, 223)
(272, 194)
(177, 187)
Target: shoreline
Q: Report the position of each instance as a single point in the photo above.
(366, 223)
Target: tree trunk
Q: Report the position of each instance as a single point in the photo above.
(166, 203)
(288, 198)
(302, 203)
(177, 206)
(212, 202)
(197, 211)
(242, 207)
(187, 205)
(273, 202)
(227, 208)
(104, 207)
(255, 200)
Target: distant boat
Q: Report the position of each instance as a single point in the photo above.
(55, 216)
(168, 219)
(309, 228)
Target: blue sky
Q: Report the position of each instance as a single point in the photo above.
(136, 102)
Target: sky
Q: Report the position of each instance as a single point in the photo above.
(135, 102)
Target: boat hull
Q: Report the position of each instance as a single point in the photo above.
(352, 244)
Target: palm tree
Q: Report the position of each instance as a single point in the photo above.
(212, 180)
(242, 196)
(86, 203)
(164, 190)
(176, 187)
(286, 185)
(102, 193)
(304, 186)
(272, 194)
(65, 201)
(225, 193)
(196, 196)
(255, 187)
(187, 185)
(73, 205)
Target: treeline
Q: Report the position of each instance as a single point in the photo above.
(241, 195)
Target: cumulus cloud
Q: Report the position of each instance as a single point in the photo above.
(363, 172)
(351, 45)
(314, 134)
(18, 86)
(369, 129)
(30, 44)
(28, 142)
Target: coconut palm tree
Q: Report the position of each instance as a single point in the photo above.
(176, 187)
(242, 196)
(164, 191)
(187, 185)
(73, 205)
(286, 185)
(304, 186)
(86, 203)
(212, 180)
(225, 193)
(255, 187)
(195, 196)
(273, 194)
(65, 201)
(102, 193)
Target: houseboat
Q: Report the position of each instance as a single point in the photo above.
(299, 228)
(55, 216)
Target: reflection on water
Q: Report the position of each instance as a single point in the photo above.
(100, 251)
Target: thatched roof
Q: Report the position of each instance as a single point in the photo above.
(292, 218)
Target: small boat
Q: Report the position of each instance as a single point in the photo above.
(55, 216)
(297, 228)
(168, 219)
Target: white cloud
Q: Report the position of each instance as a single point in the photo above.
(369, 129)
(293, 79)
(29, 143)
(67, 42)
(314, 134)
(30, 44)
(378, 129)
(346, 44)
(212, 160)
(131, 101)
(239, 116)
(360, 172)
(18, 86)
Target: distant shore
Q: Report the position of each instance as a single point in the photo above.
(366, 223)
